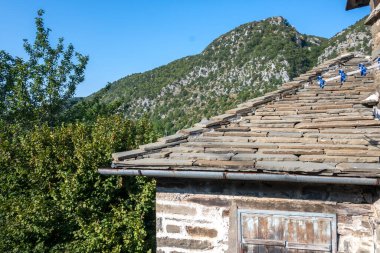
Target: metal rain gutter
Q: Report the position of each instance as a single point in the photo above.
(241, 176)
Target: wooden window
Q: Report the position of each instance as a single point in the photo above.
(279, 231)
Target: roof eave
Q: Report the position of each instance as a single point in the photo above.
(245, 176)
(353, 4)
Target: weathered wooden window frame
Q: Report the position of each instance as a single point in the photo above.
(334, 237)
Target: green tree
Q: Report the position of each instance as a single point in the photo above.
(6, 79)
(38, 88)
(52, 199)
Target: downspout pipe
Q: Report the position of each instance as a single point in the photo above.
(244, 176)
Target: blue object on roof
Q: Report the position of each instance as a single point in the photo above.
(342, 76)
(363, 69)
(321, 82)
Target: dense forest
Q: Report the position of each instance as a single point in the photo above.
(51, 197)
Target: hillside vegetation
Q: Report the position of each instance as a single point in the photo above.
(355, 38)
(244, 63)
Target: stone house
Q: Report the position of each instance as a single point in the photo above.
(296, 170)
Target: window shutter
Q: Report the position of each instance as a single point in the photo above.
(277, 231)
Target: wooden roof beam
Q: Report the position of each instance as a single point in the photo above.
(353, 4)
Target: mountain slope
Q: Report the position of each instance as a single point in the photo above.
(248, 61)
(356, 37)
(244, 63)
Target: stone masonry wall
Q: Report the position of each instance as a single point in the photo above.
(199, 216)
(184, 224)
(375, 29)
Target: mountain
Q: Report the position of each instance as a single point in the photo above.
(246, 62)
(354, 38)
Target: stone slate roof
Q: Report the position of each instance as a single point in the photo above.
(298, 129)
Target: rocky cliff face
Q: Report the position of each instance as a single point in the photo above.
(246, 62)
(356, 38)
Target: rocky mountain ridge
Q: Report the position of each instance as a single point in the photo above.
(244, 63)
(356, 37)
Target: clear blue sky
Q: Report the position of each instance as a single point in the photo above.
(125, 37)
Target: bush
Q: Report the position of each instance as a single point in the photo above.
(53, 199)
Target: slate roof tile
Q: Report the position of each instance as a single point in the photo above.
(297, 129)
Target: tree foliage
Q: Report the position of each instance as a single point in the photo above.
(53, 199)
(38, 88)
